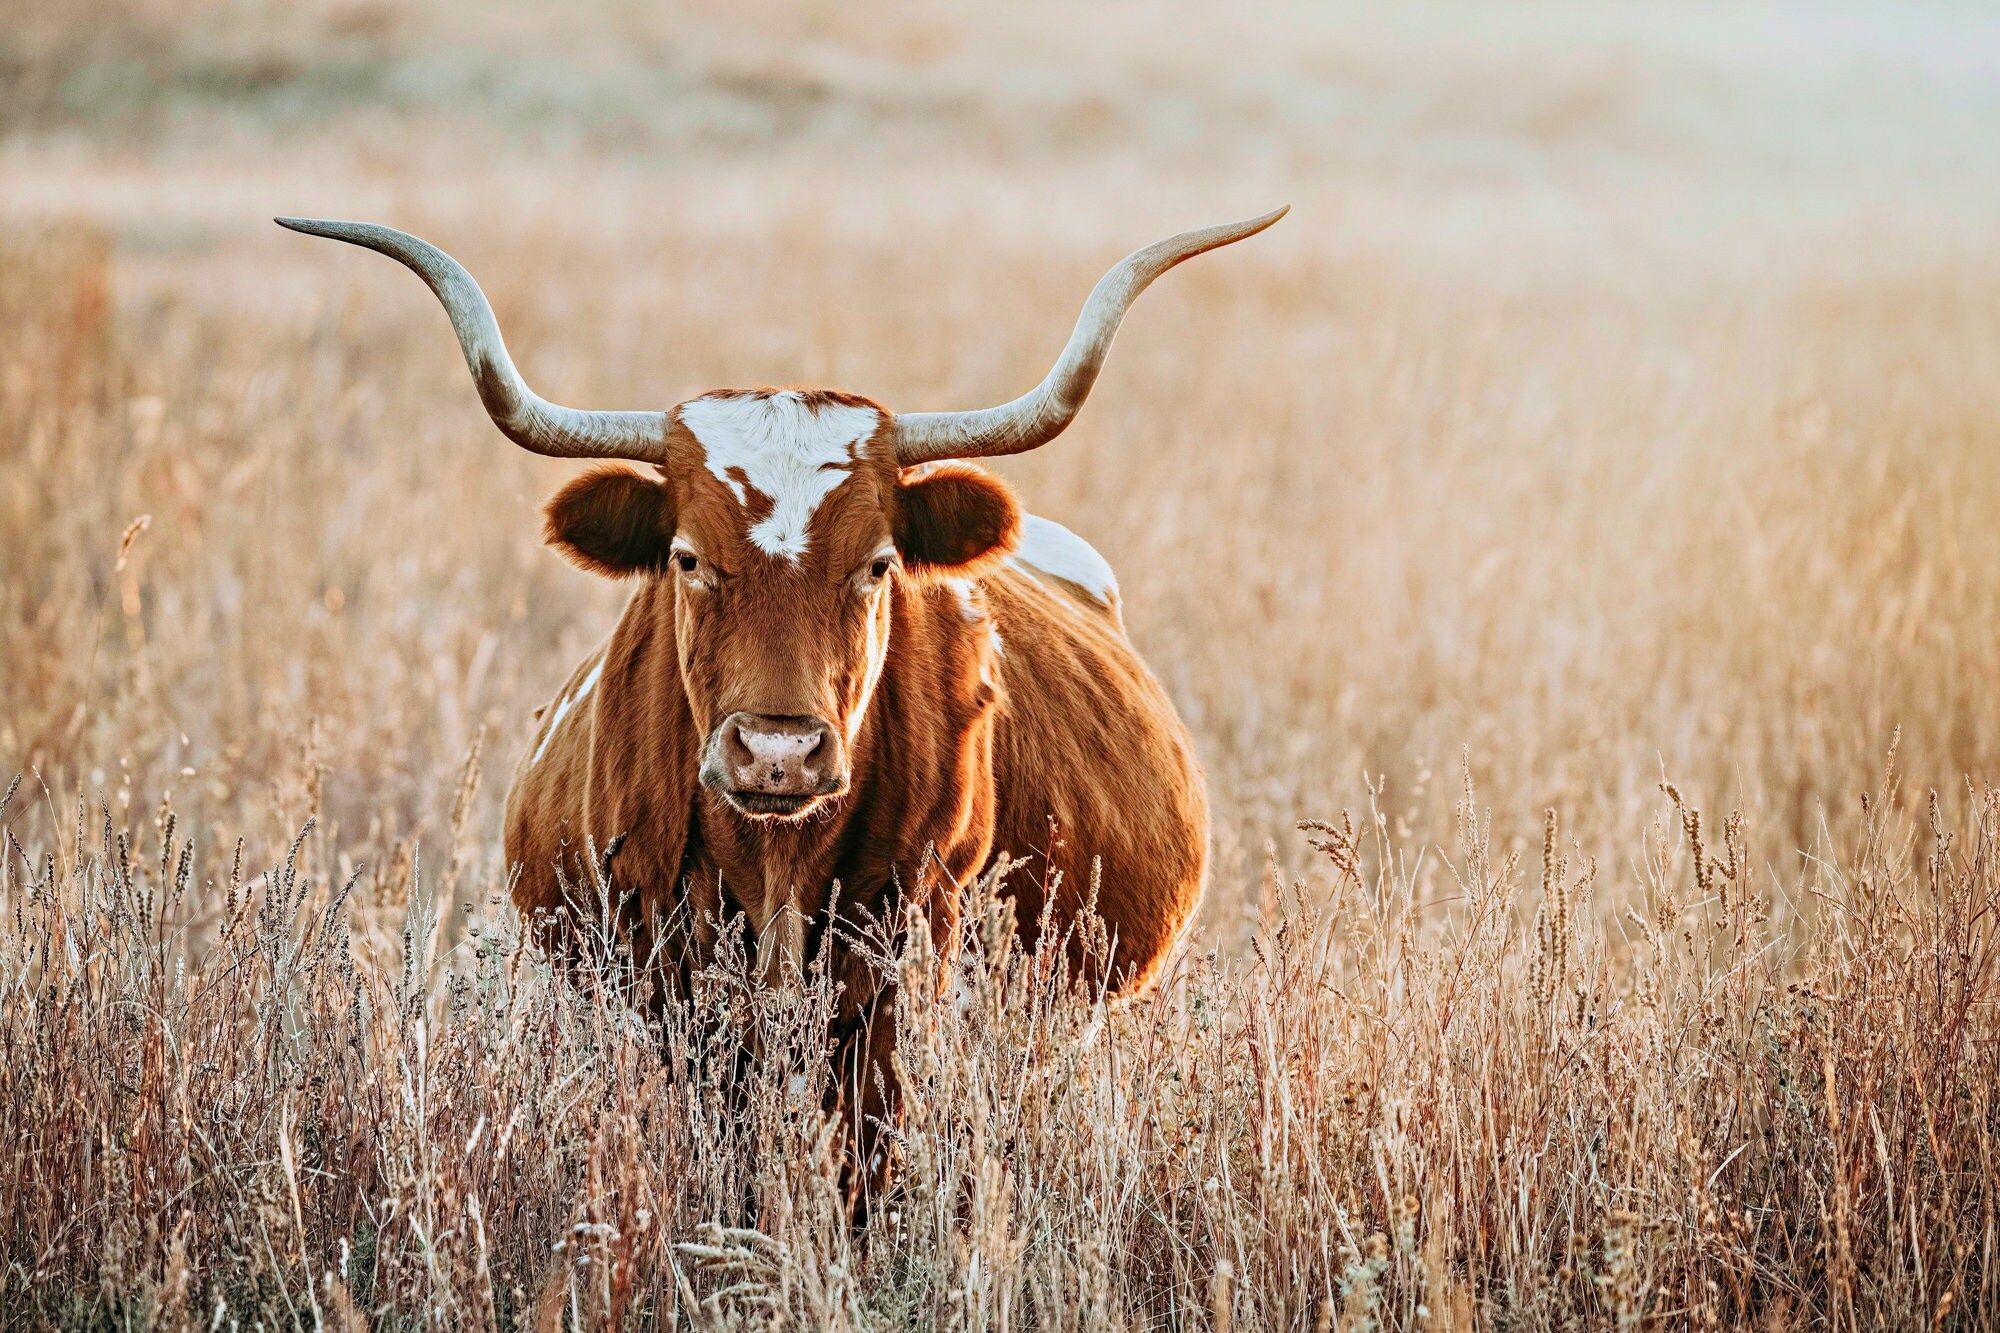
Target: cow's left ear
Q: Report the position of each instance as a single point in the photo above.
(612, 521)
(953, 518)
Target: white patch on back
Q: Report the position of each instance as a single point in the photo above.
(1054, 549)
(783, 449)
(562, 710)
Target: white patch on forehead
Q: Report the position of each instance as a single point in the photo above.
(1054, 549)
(787, 451)
(562, 710)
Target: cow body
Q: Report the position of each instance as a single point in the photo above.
(1012, 716)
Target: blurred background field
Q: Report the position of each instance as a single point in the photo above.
(1619, 401)
(1619, 405)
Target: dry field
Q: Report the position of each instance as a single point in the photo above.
(1611, 434)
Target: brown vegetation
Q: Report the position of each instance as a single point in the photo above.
(1615, 418)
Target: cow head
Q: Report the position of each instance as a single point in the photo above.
(784, 518)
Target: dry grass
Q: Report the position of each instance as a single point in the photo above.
(1617, 409)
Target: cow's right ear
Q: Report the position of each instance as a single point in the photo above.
(612, 521)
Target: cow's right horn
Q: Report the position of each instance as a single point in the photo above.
(529, 420)
(1043, 412)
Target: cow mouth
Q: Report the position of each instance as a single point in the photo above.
(770, 805)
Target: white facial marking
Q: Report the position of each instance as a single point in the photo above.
(783, 449)
(878, 655)
(562, 710)
(1054, 549)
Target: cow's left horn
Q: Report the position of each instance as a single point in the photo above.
(1042, 413)
(529, 420)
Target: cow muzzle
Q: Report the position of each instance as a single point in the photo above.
(774, 767)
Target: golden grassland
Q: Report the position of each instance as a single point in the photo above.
(1611, 434)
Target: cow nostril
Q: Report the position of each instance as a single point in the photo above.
(778, 754)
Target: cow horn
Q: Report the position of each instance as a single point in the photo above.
(528, 420)
(1046, 410)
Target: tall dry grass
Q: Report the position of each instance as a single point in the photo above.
(245, 1102)
(1614, 418)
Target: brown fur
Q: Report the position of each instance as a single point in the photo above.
(964, 749)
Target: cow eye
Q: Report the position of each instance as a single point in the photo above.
(687, 562)
(869, 577)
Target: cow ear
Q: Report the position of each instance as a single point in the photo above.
(953, 518)
(612, 521)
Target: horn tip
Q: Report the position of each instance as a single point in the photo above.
(354, 233)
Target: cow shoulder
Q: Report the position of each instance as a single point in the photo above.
(610, 773)
(545, 804)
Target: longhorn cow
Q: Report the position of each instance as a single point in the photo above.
(848, 657)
